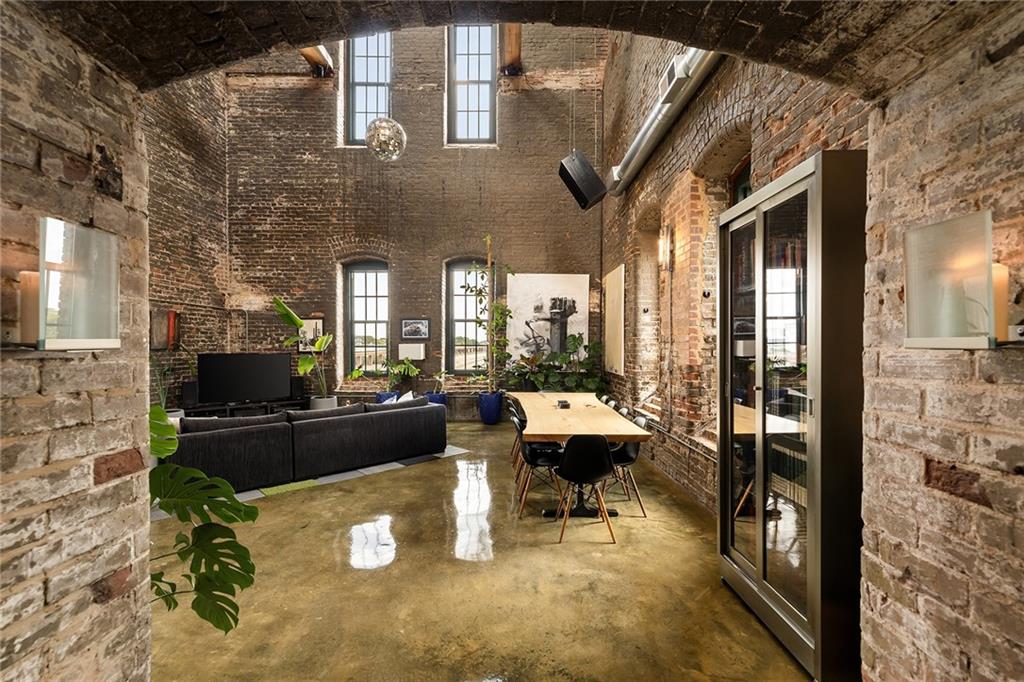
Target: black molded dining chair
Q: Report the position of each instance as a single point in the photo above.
(534, 457)
(625, 457)
(586, 460)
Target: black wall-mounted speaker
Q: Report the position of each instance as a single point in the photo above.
(582, 180)
(298, 387)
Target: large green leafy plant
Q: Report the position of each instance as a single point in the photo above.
(215, 567)
(310, 361)
(578, 368)
(399, 371)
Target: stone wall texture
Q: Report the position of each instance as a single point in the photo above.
(186, 135)
(74, 515)
(943, 507)
(744, 110)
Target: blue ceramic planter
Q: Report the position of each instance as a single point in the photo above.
(489, 405)
(386, 395)
(439, 398)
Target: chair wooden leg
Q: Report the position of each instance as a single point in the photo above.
(526, 491)
(632, 479)
(565, 519)
(604, 513)
(743, 499)
(524, 477)
(515, 449)
(563, 502)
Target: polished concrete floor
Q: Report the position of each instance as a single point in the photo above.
(424, 573)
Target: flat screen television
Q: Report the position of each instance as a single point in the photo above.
(244, 377)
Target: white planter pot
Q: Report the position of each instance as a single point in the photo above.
(323, 403)
(175, 414)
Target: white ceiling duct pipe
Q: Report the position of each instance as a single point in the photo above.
(684, 75)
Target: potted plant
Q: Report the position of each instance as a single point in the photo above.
(397, 373)
(438, 395)
(489, 401)
(163, 387)
(310, 362)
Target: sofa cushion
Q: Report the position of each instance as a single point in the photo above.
(383, 407)
(405, 397)
(201, 424)
(303, 415)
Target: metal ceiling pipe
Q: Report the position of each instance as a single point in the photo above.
(684, 75)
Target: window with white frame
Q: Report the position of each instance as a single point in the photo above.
(472, 83)
(368, 83)
(366, 316)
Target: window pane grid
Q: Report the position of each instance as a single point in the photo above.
(467, 343)
(368, 318)
(369, 83)
(472, 83)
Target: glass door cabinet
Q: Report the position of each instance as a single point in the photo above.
(791, 291)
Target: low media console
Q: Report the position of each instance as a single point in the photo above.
(246, 409)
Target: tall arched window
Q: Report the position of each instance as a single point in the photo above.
(366, 316)
(466, 340)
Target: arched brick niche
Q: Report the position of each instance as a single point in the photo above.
(866, 47)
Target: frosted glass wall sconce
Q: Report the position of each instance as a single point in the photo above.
(956, 297)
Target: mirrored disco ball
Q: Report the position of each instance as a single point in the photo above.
(385, 138)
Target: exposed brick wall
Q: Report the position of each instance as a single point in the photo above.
(74, 517)
(775, 117)
(943, 506)
(299, 206)
(185, 127)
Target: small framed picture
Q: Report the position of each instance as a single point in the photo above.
(415, 329)
(312, 329)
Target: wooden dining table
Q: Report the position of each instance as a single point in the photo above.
(546, 422)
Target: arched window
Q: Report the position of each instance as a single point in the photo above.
(466, 339)
(366, 316)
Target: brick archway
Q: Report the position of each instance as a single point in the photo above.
(854, 45)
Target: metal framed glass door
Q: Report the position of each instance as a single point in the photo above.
(743, 508)
(766, 407)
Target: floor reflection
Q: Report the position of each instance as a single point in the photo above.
(472, 499)
(371, 544)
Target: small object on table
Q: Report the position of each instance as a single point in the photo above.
(563, 404)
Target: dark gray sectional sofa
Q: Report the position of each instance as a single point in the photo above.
(256, 452)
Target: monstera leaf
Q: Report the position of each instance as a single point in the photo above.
(184, 492)
(163, 439)
(213, 553)
(214, 602)
(286, 314)
(164, 590)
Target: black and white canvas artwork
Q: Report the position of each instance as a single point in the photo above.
(546, 310)
(312, 329)
(415, 329)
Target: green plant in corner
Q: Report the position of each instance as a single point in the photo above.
(310, 361)
(355, 374)
(215, 566)
(161, 375)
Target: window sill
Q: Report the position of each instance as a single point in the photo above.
(350, 146)
(471, 145)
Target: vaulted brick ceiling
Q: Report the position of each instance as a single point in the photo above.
(867, 47)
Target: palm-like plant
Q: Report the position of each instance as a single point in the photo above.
(312, 360)
(215, 565)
